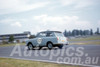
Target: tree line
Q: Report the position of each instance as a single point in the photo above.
(77, 32)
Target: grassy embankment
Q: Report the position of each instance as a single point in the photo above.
(7, 62)
(11, 44)
(94, 40)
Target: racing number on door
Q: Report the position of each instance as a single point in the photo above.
(39, 40)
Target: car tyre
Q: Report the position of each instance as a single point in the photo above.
(60, 46)
(40, 48)
(30, 46)
(67, 43)
(50, 46)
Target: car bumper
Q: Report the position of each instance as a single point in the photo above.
(63, 43)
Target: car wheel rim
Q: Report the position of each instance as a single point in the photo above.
(30, 46)
(49, 45)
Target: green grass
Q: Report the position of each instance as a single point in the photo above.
(11, 44)
(86, 43)
(7, 62)
(94, 40)
(86, 38)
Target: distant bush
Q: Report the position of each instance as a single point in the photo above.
(23, 41)
(4, 42)
(11, 38)
(18, 41)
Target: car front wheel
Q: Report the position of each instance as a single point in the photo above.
(40, 48)
(30, 46)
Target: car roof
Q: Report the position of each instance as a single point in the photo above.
(50, 31)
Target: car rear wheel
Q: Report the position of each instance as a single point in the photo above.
(60, 46)
(30, 46)
(50, 46)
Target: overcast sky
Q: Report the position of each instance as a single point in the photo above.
(17, 16)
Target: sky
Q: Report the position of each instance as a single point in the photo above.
(17, 16)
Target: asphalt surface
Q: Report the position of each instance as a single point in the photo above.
(85, 55)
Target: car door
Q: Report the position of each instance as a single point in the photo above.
(40, 39)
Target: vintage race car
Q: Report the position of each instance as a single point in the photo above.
(48, 39)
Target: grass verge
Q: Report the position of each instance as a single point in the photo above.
(94, 40)
(11, 44)
(87, 43)
(7, 62)
(86, 38)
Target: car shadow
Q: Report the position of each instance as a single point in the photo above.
(45, 48)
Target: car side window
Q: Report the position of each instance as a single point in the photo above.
(42, 35)
(49, 35)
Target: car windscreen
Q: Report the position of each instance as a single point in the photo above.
(59, 34)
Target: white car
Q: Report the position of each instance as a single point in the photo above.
(48, 39)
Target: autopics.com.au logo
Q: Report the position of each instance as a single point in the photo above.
(65, 55)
